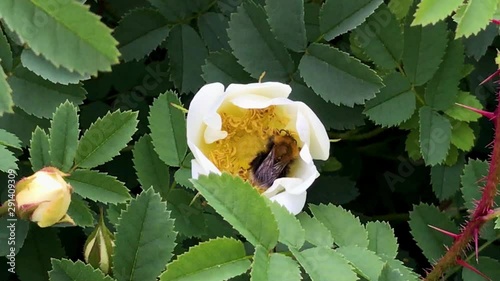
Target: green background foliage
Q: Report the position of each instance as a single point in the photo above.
(96, 89)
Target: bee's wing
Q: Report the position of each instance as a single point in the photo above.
(269, 170)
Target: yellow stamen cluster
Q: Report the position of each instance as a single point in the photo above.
(248, 132)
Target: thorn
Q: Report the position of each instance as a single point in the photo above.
(487, 114)
(470, 267)
(452, 235)
(476, 231)
(490, 77)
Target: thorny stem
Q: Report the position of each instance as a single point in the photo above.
(477, 219)
(471, 256)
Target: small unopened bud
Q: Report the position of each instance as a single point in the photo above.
(44, 197)
(98, 249)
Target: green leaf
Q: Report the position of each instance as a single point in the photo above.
(405, 272)
(20, 231)
(255, 46)
(412, 145)
(98, 186)
(188, 215)
(275, 267)
(343, 192)
(213, 30)
(64, 136)
(22, 124)
(291, 232)
(45, 69)
(10, 140)
(39, 149)
(472, 182)
(105, 138)
(316, 232)
(320, 263)
(381, 239)
(6, 102)
(224, 68)
(394, 104)
(182, 176)
(337, 18)
(7, 160)
(476, 17)
(40, 97)
(429, 240)
(242, 206)
(435, 136)
(459, 113)
(145, 227)
(365, 261)
(446, 180)
(462, 136)
(89, 46)
(187, 54)
(400, 8)
(67, 270)
(424, 48)
(486, 265)
(5, 52)
(389, 274)
(178, 11)
(33, 260)
(338, 77)
(217, 259)
(477, 45)
(432, 11)
(311, 19)
(442, 90)
(346, 229)
(168, 129)
(150, 170)
(381, 38)
(333, 116)
(80, 212)
(286, 18)
(140, 32)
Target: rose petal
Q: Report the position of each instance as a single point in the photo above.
(50, 213)
(213, 131)
(319, 142)
(266, 89)
(302, 127)
(43, 187)
(204, 103)
(293, 202)
(202, 164)
(256, 101)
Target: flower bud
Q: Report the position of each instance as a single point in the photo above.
(44, 197)
(98, 249)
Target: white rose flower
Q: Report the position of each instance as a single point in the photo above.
(226, 131)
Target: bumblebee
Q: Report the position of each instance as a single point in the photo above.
(274, 162)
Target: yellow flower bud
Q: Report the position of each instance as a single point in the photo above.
(98, 249)
(44, 197)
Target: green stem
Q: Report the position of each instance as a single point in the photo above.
(4, 208)
(351, 135)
